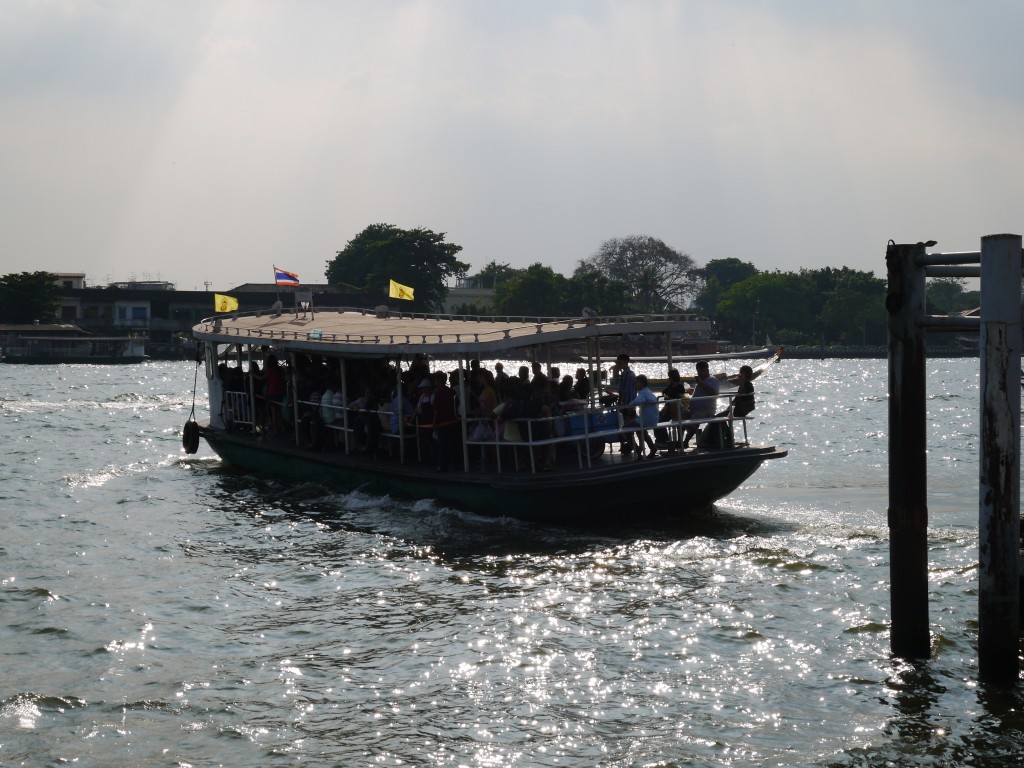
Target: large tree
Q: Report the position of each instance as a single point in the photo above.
(29, 296)
(537, 291)
(660, 278)
(417, 258)
(718, 276)
(946, 294)
(779, 304)
(590, 288)
(853, 311)
(494, 273)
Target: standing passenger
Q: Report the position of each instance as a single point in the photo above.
(524, 377)
(627, 392)
(500, 379)
(539, 379)
(275, 387)
(425, 421)
(446, 422)
(647, 417)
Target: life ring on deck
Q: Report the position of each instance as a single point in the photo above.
(190, 437)
(311, 432)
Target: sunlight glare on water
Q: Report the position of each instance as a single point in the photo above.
(161, 609)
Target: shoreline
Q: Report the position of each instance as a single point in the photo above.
(808, 352)
(801, 352)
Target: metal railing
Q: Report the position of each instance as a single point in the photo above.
(584, 428)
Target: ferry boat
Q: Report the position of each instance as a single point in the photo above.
(562, 466)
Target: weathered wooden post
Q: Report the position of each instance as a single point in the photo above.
(908, 508)
(999, 465)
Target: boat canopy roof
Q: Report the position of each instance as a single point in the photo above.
(378, 332)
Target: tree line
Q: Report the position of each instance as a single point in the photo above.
(749, 306)
(638, 274)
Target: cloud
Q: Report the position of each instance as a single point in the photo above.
(209, 141)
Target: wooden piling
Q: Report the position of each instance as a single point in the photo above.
(908, 508)
(999, 465)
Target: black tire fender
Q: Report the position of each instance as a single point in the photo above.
(190, 437)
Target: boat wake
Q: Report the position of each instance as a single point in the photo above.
(98, 477)
(121, 402)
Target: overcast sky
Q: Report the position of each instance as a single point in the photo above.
(205, 142)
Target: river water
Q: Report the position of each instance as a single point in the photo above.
(159, 609)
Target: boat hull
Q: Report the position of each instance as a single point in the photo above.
(656, 489)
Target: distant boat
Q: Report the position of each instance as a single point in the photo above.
(752, 354)
(969, 343)
(53, 350)
(557, 470)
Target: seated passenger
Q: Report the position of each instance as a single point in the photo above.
(535, 424)
(565, 390)
(401, 408)
(487, 400)
(674, 409)
(743, 403)
(363, 402)
(363, 418)
(508, 412)
(581, 389)
(703, 399)
(327, 412)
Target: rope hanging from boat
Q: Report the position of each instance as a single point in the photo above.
(190, 432)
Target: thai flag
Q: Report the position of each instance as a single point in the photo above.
(281, 277)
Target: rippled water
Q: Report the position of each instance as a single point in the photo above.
(161, 610)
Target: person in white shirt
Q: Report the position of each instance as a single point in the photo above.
(647, 417)
(703, 401)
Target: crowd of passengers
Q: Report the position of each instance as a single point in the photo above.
(507, 408)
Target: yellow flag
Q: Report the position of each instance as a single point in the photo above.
(222, 303)
(399, 291)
